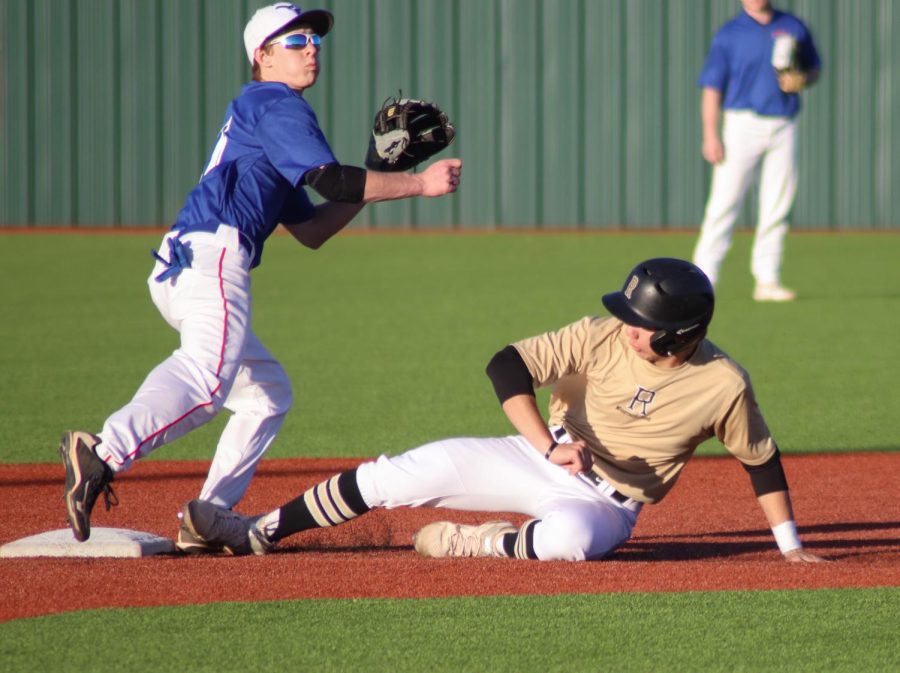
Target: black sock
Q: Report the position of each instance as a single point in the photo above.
(521, 543)
(332, 502)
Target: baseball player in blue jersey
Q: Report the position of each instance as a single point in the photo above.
(269, 152)
(758, 63)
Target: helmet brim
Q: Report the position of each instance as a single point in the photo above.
(617, 304)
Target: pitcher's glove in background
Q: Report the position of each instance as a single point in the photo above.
(406, 133)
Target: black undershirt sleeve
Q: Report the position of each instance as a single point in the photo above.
(509, 374)
(337, 182)
(768, 477)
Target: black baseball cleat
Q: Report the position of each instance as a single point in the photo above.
(86, 477)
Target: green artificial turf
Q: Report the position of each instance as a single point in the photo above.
(386, 337)
(791, 631)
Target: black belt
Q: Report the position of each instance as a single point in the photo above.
(211, 228)
(560, 434)
(615, 495)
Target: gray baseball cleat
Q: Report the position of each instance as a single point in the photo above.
(445, 539)
(87, 476)
(187, 543)
(220, 528)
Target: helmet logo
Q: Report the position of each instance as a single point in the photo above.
(685, 330)
(633, 283)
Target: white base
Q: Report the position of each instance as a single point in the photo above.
(104, 542)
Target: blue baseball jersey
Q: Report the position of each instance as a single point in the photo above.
(739, 64)
(253, 180)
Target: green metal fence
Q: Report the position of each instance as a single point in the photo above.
(571, 113)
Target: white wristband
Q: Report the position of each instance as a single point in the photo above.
(786, 536)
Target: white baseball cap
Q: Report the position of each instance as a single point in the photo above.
(272, 19)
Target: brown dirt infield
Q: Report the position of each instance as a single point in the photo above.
(709, 534)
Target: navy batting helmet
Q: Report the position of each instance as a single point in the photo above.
(668, 295)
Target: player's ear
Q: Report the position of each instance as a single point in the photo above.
(262, 56)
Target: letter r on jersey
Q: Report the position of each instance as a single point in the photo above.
(642, 397)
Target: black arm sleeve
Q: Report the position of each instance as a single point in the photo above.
(337, 182)
(768, 477)
(509, 374)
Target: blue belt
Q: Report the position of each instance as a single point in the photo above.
(180, 258)
(211, 228)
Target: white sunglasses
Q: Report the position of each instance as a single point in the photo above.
(298, 40)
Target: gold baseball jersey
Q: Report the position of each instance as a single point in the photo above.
(643, 422)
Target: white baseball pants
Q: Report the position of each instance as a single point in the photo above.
(220, 363)
(506, 474)
(752, 143)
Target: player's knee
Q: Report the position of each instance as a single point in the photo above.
(564, 537)
(579, 533)
(280, 399)
(272, 389)
(283, 396)
(267, 398)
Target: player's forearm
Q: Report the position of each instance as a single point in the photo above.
(329, 219)
(780, 515)
(777, 507)
(514, 386)
(523, 413)
(390, 186)
(710, 112)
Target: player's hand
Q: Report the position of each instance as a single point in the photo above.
(713, 151)
(441, 177)
(791, 81)
(574, 457)
(803, 556)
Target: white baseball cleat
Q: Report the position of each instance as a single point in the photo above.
(445, 539)
(773, 292)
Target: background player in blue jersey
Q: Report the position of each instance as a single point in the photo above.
(757, 64)
(269, 152)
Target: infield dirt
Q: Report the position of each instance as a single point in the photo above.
(708, 534)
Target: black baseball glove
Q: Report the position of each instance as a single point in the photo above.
(406, 133)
